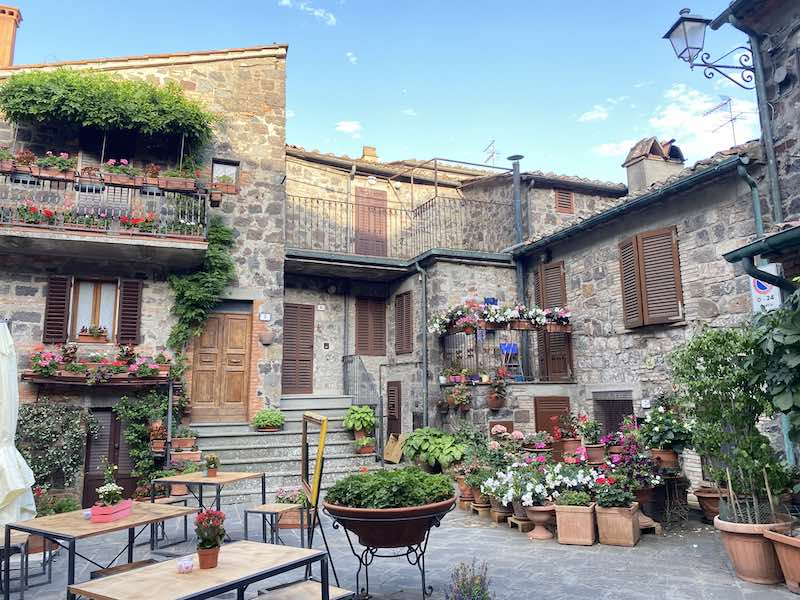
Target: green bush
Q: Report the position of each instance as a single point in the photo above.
(268, 418)
(394, 488)
(86, 99)
(574, 498)
(433, 446)
(359, 418)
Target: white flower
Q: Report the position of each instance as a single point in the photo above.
(661, 409)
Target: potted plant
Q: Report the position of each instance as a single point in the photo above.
(787, 548)
(210, 533)
(23, 165)
(469, 582)
(565, 433)
(120, 172)
(460, 397)
(163, 362)
(575, 519)
(224, 184)
(665, 432)
(444, 377)
(149, 178)
(496, 399)
(184, 438)
(110, 505)
(708, 496)
(613, 443)
(184, 468)
(538, 505)
(268, 420)
(290, 519)
(180, 179)
(6, 161)
(212, 464)
(365, 445)
(432, 449)
(360, 419)
(93, 334)
(728, 396)
(539, 442)
(57, 166)
(589, 430)
(475, 480)
(390, 520)
(617, 518)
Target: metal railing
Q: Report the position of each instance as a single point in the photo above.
(396, 231)
(88, 205)
(358, 383)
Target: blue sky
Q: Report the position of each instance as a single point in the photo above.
(568, 84)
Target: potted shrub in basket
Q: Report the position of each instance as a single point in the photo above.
(268, 420)
(110, 505)
(93, 334)
(365, 445)
(360, 419)
(212, 464)
(617, 518)
(589, 430)
(210, 533)
(390, 520)
(575, 519)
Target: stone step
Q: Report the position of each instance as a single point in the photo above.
(315, 401)
(292, 465)
(255, 450)
(295, 422)
(209, 429)
(279, 438)
(296, 414)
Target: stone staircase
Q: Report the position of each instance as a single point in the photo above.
(240, 448)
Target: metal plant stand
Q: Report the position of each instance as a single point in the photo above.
(414, 554)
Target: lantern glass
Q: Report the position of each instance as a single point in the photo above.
(687, 36)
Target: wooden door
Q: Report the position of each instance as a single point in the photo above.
(297, 373)
(554, 350)
(545, 408)
(371, 217)
(394, 394)
(221, 369)
(110, 444)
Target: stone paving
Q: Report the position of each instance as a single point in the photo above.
(687, 563)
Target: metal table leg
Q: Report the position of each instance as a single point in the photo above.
(71, 569)
(131, 538)
(7, 564)
(323, 567)
(219, 496)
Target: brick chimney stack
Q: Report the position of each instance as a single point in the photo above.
(369, 154)
(10, 18)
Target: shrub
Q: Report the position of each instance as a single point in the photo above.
(469, 582)
(359, 418)
(589, 429)
(433, 446)
(574, 498)
(395, 488)
(268, 418)
(666, 429)
(365, 441)
(189, 467)
(612, 492)
(184, 432)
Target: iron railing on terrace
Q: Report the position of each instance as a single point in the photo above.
(396, 231)
(89, 206)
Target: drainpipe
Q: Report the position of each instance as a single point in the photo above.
(519, 262)
(763, 117)
(423, 274)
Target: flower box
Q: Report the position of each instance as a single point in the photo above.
(115, 512)
(291, 519)
(618, 526)
(490, 326)
(522, 325)
(119, 179)
(225, 188)
(6, 166)
(57, 174)
(557, 328)
(84, 228)
(144, 180)
(85, 338)
(187, 443)
(576, 525)
(176, 183)
(190, 456)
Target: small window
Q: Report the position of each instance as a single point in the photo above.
(93, 303)
(225, 171)
(403, 334)
(565, 201)
(370, 327)
(611, 407)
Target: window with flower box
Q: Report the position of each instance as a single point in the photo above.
(93, 303)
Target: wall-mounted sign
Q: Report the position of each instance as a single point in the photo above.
(765, 296)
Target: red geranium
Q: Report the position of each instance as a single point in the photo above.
(48, 213)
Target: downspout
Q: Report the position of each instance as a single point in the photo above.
(423, 274)
(519, 262)
(763, 117)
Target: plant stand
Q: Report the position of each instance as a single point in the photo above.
(524, 525)
(480, 510)
(415, 554)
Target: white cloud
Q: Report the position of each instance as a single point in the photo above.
(352, 58)
(290, 113)
(613, 149)
(409, 112)
(617, 100)
(641, 84)
(404, 91)
(598, 113)
(352, 128)
(320, 14)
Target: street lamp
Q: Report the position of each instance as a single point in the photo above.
(687, 36)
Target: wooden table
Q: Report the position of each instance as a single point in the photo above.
(66, 529)
(240, 565)
(219, 481)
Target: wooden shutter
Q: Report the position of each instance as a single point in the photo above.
(554, 349)
(545, 407)
(630, 280)
(371, 218)
(565, 201)
(662, 296)
(403, 334)
(370, 327)
(56, 310)
(393, 399)
(130, 311)
(297, 371)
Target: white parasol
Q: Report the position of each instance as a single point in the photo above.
(16, 477)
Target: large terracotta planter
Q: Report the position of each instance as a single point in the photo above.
(540, 516)
(708, 498)
(208, 557)
(618, 526)
(595, 453)
(666, 459)
(787, 549)
(576, 525)
(752, 555)
(187, 443)
(376, 527)
(570, 446)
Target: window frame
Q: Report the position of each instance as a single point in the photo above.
(229, 163)
(96, 299)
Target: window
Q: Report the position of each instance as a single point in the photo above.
(565, 201)
(554, 350)
(403, 328)
(72, 303)
(610, 408)
(651, 278)
(224, 171)
(370, 327)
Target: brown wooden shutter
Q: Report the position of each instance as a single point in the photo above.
(371, 218)
(393, 399)
(545, 407)
(56, 310)
(662, 296)
(370, 327)
(130, 311)
(297, 371)
(631, 287)
(555, 349)
(378, 324)
(403, 334)
(565, 201)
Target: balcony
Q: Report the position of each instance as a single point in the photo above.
(89, 217)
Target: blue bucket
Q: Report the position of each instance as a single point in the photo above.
(509, 348)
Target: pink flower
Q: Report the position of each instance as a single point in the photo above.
(111, 162)
(541, 458)
(494, 445)
(123, 161)
(517, 435)
(616, 459)
(64, 155)
(498, 429)
(44, 363)
(132, 368)
(528, 460)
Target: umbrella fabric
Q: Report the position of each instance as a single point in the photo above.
(16, 477)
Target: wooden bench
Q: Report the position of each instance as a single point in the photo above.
(124, 568)
(274, 512)
(303, 590)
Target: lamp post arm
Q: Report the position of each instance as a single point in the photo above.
(744, 67)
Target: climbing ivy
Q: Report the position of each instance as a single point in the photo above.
(197, 293)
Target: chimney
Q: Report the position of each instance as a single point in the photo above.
(10, 18)
(651, 161)
(369, 154)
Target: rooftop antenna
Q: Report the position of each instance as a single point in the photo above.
(490, 153)
(726, 104)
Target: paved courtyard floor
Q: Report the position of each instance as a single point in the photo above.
(683, 564)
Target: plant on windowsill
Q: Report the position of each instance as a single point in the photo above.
(45, 363)
(145, 224)
(365, 445)
(57, 166)
(212, 464)
(93, 334)
(360, 419)
(120, 172)
(268, 420)
(224, 184)
(210, 533)
(143, 367)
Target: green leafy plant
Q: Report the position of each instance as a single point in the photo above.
(589, 429)
(88, 99)
(5, 153)
(187, 468)
(359, 418)
(60, 162)
(212, 461)
(47, 504)
(433, 446)
(120, 167)
(459, 396)
(612, 492)
(665, 428)
(574, 498)
(476, 478)
(364, 442)
(184, 432)
(469, 582)
(268, 418)
(394, 488)
(75, 367)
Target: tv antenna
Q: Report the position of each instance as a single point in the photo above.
(726, 105)
(490, 153)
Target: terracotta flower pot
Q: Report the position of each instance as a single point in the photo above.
(519, 510)
(570, 446)
(480, 499)
(365, 450)
(787, 548)
(666, 459)
(464, 491)
(208, 557)
(184, 442)
(595, 453)
(708, 498)
(212, 472)
(291, 519)
(576, 525)
(359, 434)
(752, 555)
(612, 450)
(495, 401)
(499, 508)
(618, 525)
(540, 515)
